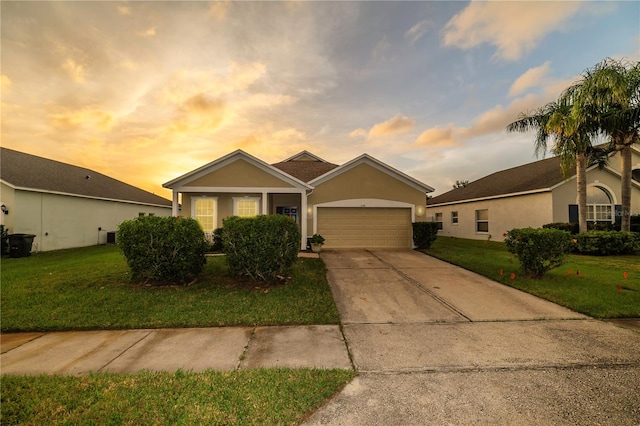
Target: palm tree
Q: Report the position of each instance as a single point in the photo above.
(609, 95)
(563, 122)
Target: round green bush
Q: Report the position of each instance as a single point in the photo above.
(261, 247)
(163, 249)
(538, 250)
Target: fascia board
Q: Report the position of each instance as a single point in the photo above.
(90, 197)
(367, 159)
(492, 197)
(305, 152)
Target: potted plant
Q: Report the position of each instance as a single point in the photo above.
(317, 241)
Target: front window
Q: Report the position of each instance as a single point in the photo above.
(599, 205)
(205, 212)
(454, 218)
(246, 207)
(439, 221)
(482, 220)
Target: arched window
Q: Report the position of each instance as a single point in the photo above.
(635, 174)
(599, 205)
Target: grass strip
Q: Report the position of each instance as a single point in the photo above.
(241, 397)
(90, 288)
(598, 286)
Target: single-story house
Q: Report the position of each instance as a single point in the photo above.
(531, 195)
(362, 203)
(67, 206)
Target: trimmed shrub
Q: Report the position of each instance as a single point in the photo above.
(538, 250)
(424, 234)
(605, 243)
(573, 228)
(217, 245)
(260, 247)
(163, 249)
(4, 240)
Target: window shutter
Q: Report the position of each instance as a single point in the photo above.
(618, 215)
(573, 213)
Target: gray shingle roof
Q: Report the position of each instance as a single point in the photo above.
(538, 175)
(32, 172)
(306, 171)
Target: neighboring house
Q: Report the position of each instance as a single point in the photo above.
(67, 206)
(362, 203)
(530, 196)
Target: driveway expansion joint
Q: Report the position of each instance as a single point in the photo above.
(149, 332)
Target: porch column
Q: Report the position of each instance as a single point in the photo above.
(174, 204)
(265, 203)
(303, 219)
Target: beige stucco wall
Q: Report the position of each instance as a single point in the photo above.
(239, 174)
(532, 210)
(365, 182)
(61, 221)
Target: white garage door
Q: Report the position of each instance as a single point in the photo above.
(365, 227)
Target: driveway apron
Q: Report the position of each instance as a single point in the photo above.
(436, 344)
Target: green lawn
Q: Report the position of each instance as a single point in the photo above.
(592, 285)
(246, 397)
(89, 288)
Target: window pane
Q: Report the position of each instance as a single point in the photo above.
(597, 195)
(205, 209)
(454, 217)
(482, 214)
(482, 227)
(246, 208)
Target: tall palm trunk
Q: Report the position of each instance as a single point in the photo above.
(581, 183)
(626, 170)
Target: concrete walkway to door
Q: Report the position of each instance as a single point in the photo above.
(436, 344)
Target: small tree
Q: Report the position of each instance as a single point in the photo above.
(538, 250)
(163, 249)
(261, 247)
(460, 184)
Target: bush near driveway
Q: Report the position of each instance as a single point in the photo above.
(604, 243)
(424, 234)
(163, 249)
(538, 250)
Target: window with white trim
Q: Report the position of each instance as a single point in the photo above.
(454, 218)
(599, 205)
(482, 220)
(205, 211)
(438, 220)
(246, 206)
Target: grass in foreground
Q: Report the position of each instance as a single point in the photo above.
(89, 288)
(245, 397)
(593, 285)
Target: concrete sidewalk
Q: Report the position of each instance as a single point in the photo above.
(194, 349)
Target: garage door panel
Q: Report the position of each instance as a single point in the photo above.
(356, 227)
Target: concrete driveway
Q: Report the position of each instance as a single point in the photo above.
(436, 344)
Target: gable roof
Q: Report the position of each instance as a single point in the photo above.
(375, 163)
(230, 158)
(537, 176)
(32, 173)
(305, 166)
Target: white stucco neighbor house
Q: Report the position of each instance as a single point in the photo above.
(531, 195)
(67, 206)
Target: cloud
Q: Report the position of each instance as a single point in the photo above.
(74, 70)
(380, 49)
(533, 77)
(124, 10)
(198, 114)
(148, 33)
(438, 137)
(514, 28)
(5, 83)
(397, 124)
(358, 133)
(418, 30)
(90, 117)
(218, 10)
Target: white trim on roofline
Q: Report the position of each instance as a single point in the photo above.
(90, 197)
(594, 167)
(228, 159)
(490, 197)
(377, 164)
(300, 154)
(241, 189)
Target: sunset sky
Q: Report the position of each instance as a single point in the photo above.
(147, 91)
